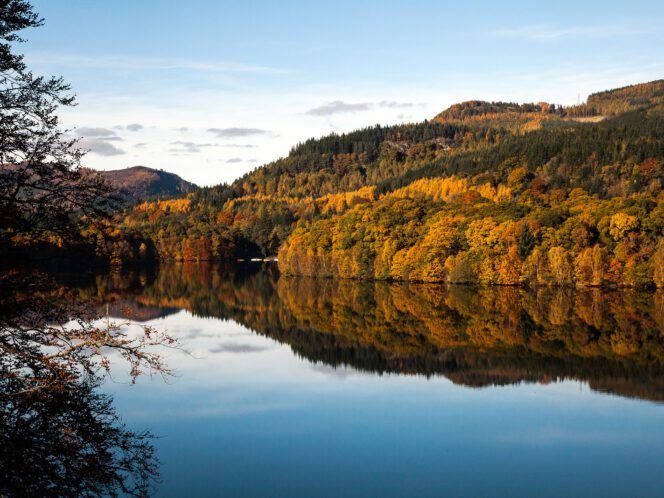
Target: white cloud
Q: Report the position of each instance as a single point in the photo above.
(189, 147)
(97, 140)
(543, 32)
(236, 132)
(391, 104)
(91, 132)
(337, 107)
(341, 107)
(147, 63)
(233, 347)
(100, 147)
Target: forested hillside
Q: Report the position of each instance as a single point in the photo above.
(497, 193)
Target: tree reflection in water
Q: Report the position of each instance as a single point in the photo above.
(58, 435)
(473, 336)
(70, 442)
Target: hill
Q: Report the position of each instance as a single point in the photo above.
(497, 193)
(141, 183)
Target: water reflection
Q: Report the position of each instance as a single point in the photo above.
(70, 442)
(614, 341)
(59, 435)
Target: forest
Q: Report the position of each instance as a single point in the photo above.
(490, 193)
(485, 192)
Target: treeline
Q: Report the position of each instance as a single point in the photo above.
(619, 100)
(621, 157)
(480, 108)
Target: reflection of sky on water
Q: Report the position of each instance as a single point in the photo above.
(245, 416)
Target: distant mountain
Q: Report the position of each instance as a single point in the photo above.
(141, 183)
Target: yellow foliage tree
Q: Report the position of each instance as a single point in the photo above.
(658, 265)
(621, 223)
(561, 270)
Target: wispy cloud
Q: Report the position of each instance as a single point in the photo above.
(337, 372)
(93, 132)
(145, 63)
(234, 160)
(544, 32)
(338, 107)
(240, 146)
(341, 107)
(134, 127)
(98, 141)
(234, 347)
(99, 146)
(189, 147)
(391, 104)
(236, 132)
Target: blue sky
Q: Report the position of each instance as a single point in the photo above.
(211, 89)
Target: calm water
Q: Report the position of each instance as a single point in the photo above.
(300, 387)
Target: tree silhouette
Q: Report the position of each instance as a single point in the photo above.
(43, 190)
(71, 442)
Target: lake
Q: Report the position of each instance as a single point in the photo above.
(306, 387)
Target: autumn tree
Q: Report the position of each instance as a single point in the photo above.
(559, 264)
(658, 265)
(591, 266)
(621, 224)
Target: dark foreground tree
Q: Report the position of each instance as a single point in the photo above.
(49, 338)
(58, 435)
(71, 443)
(43, 190)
